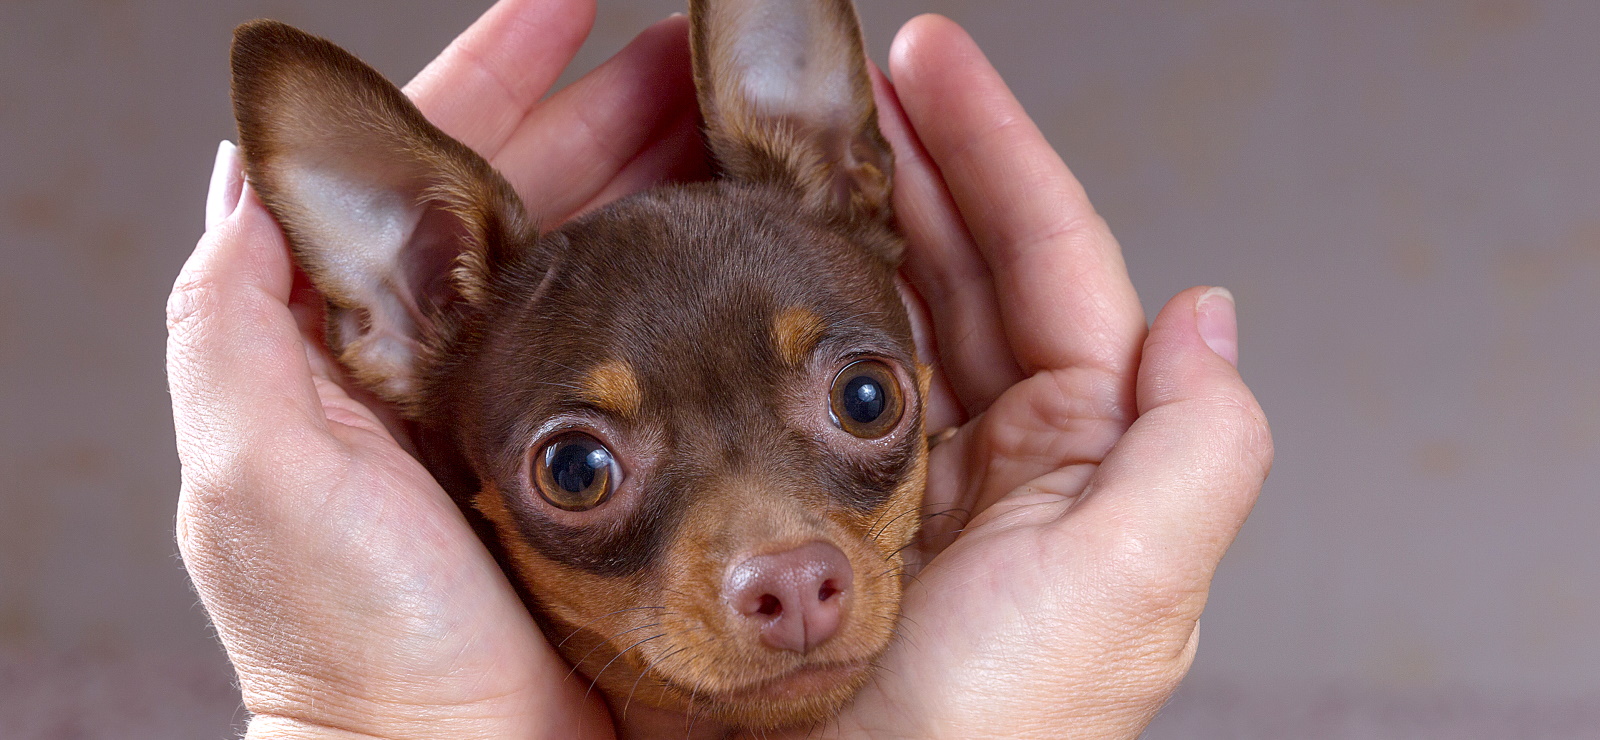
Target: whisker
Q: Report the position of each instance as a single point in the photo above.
(677, 593)
(922, 540)
(596, 680)
(585, 657)
(952, 512)
(877, 666)
(876, 531)
(904, 572)
(662, 661)
(902, 548)
(576, 630)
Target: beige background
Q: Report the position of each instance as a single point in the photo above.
(1404, 195)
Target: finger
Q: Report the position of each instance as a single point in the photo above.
(567, 149)
(1182, 480)
(946, 270)
(1062, 287)
(487, 80)
(236, 364)
(674, 154)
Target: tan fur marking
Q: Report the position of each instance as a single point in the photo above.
(592, 618)
(795, 332)
(738, 516)
(613, 386)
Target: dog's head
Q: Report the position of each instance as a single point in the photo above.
(692, 419)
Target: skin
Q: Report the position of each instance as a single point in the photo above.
(1099, 471)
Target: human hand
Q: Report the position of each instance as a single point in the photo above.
(381, 637)
(352, 596)
(1097, 471)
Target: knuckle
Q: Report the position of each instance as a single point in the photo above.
(1076, 231)
(1240, 431)
(206, 504)
(1155, 595)
(192, 299)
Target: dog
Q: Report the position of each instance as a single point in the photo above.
(689, 423)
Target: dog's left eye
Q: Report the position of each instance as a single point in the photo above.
(575, 472)
(866, 399)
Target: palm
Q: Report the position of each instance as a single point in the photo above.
(1044, 435)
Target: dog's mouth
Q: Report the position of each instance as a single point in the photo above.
(806, 693)
(799, 684)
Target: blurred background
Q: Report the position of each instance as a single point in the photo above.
(1404, 195)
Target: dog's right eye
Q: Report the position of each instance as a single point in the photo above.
(574, 471)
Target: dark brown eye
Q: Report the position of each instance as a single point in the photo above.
(866, 399)
(575, 472)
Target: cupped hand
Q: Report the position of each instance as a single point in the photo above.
(351, 595)
(1093, 470)
(1096, 473)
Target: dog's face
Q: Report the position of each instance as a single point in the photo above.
(692, 419)
(735, 421)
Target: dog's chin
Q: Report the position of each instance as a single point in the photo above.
(805, 695)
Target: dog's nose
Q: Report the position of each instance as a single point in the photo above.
(796, 598)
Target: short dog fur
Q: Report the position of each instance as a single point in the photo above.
(690, 422)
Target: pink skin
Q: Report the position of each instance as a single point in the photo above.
(795, 598)
(1106, 466)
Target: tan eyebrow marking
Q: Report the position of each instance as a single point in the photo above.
(613, 386)
(795, 332)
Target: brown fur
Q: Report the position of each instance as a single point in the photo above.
(694, 329)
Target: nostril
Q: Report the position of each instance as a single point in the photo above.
(827, 591)
(769, 605)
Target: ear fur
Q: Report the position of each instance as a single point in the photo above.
(787, 100)
(395, 222)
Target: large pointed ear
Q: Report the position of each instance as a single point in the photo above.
(787, 100)
(395, 222)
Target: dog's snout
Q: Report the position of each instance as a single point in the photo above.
(795, 599)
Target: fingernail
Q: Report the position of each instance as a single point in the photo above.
(227, 180)
(1217, 321)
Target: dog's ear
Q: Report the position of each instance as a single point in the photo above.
(787, 100)
(396, 223)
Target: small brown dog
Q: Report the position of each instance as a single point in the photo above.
(690, 422)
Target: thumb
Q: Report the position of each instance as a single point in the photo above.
(1181, 481)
